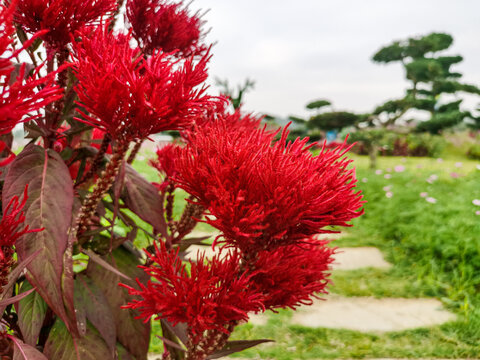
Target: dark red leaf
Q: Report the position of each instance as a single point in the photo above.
(132, 333)
(24, 351)
(180, 330)
(97, 259)
(144, 200)
(236, 346)
(16, 298)
(61, 346)
(96, 309)
(123, 354)
(49, 206)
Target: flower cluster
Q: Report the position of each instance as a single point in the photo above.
(131, 97)
(262, 193)
(208, 296)
(19, 94)
(157, 24)
(290, 275)
(269, 199)
(61, 18)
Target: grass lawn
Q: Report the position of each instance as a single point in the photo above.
(420, 213)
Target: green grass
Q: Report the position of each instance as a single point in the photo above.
(378, 283)
(297, 342)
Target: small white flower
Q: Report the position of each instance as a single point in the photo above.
(476, 202)
(389, 194)
(477, 212)
(458, 164)
(431, 200)
(432, 178)
(387, 176)
(387, 188)
(399, 168)
(478, 167)
(423, 194)
(379, 172)
(364, 180)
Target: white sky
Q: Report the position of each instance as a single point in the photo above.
(302, 50)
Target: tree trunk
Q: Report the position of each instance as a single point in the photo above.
(372, 153)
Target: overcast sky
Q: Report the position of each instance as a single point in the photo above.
(302, 50)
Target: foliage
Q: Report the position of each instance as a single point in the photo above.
(394, 143)
(333, 120)
(318, 104)
(76, 214)
(430, 77)
(474, 151)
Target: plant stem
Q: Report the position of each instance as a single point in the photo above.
(97, 160)
(103, 184)
(134, 151)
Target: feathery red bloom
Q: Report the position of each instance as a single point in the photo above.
(19, 95)
(130, 97)
(264, 194)
(292, 275)
(13, 217)
(209, 296)
(165, 164)
(237, 119)
(60, 17)
(158, 25)
(165, 161)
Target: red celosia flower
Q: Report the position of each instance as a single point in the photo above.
(165, 161)
(263, 194)
(157, 24)
(19, 95)
(130, 97)
(60, 17)
(165, 164)
(13, 218)
(209, 296)
(291, 275)
(237, 119)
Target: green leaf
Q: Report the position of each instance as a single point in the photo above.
(31, 314)
(132, 333)
(60, 345)
(91, 303)
(49, 206)
(143, 199)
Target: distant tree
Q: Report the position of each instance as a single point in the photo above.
(318, 104)
(335, 120)
(430, 78)
(235, 95)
